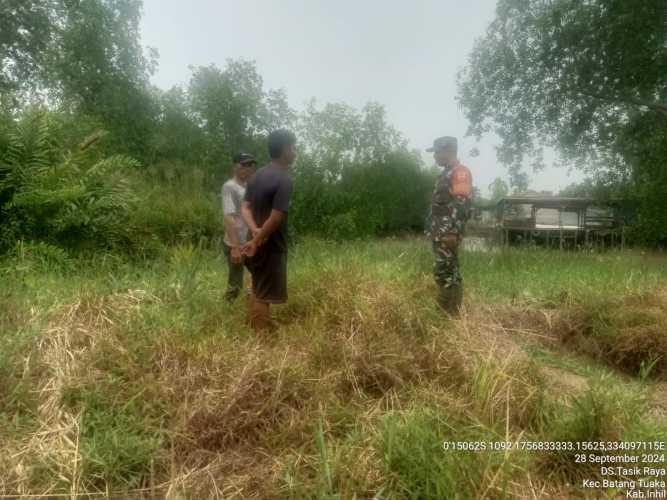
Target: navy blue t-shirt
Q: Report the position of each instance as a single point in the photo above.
(270, 188)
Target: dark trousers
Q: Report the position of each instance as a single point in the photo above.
(448, 277)
(235, 280)
(269, 276)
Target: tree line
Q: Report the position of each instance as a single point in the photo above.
(588, 79)
(92, 154)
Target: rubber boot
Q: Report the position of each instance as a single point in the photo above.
(457, 299)
(450, 298)
(444, 298)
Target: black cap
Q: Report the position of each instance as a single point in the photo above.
(446, 142)
(244, 159)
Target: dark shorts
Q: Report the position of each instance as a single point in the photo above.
(269, 276)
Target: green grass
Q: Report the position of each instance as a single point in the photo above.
(418, 467)
(538, 275)
(604, 412)
(147, 380)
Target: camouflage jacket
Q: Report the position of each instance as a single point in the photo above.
(450, 204)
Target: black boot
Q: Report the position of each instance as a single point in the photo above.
(450, 298)
(457, 298)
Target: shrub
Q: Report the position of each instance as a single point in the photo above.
(40, 256)
(604, 413)
(72, 199)
(365, 199)
(176, 212)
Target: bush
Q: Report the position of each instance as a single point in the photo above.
(367, 199)
(40, 256)
(82, 200)
(69, 194)
(72, 199)
(342, 226)
(176, 211)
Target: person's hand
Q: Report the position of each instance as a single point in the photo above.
(236, 255)
(255, 231)
(451, 240)
(250, 248)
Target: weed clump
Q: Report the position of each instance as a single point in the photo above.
(600, 414)
(419, 452)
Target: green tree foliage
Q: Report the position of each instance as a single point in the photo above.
(355, 176)
(82, 56)
(369, 199)
(101, 69)
(73, 199)
(26, 30)
(498, 189)
(176, 135)
(231, 111)
(83, 61)
(229, 105)
(337, 135)
(276, 112)
(587, 78)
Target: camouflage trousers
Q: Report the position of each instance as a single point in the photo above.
(446, 266)
(448, 278)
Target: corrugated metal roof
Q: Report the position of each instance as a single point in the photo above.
(550, 200)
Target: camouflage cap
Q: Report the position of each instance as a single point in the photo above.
(445, 142)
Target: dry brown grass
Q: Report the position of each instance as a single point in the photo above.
(262, 398)
(54, 442)
(243, 403)
(49, 456)
(241, 414)
(629, 333)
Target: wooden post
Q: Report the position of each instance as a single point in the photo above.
(560, 225)
(503, 231)
(622, 236)
(583, 225)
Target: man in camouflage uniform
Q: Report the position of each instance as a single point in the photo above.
(450, 209)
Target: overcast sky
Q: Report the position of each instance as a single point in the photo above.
(402, 54)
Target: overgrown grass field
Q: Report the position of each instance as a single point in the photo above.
(125, 378)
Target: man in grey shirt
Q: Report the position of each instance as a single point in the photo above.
(236, 230)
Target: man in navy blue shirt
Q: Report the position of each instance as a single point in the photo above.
(264, 209)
